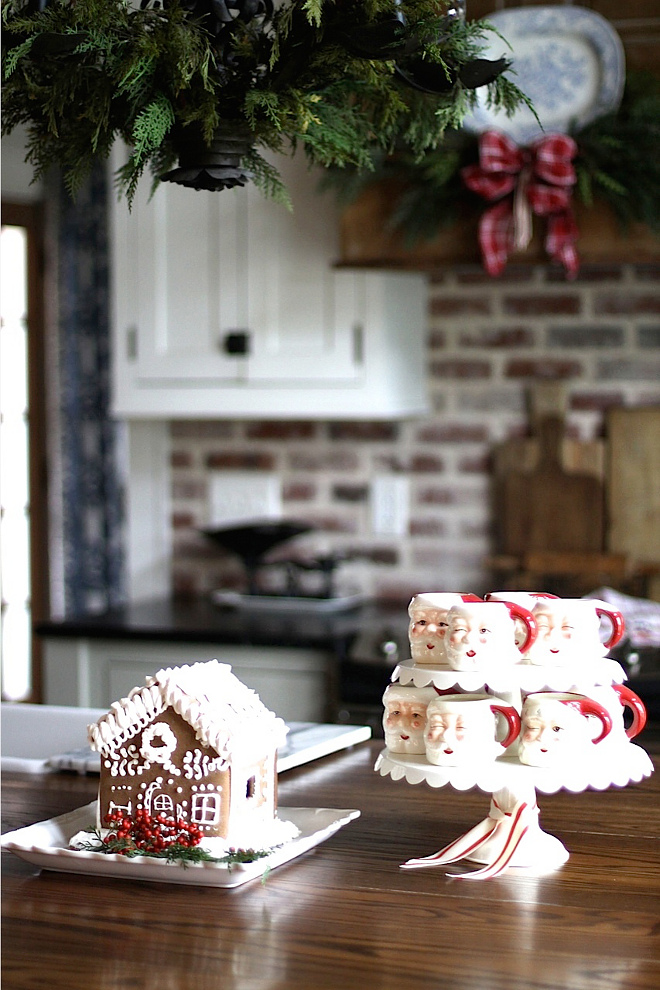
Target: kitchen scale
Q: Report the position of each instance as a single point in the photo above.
(252, 542)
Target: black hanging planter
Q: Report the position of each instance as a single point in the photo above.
(216, 166)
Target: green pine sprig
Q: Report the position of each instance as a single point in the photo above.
(267, 179)
(618, 157)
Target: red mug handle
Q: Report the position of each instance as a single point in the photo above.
(632, 701)
(529, 622)
(471, 598)
(618, 624)
(587, 706)
(512, 720)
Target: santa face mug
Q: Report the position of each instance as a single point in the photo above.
(404, 717)
(428, 625)
(558, 728)
(569, 631)
(482, 635)
(463, 728)
(527, 599)
(627, 710)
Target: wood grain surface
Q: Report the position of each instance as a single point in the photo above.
(549, 507)
(345, 915)
(634, 482)
(368, 238)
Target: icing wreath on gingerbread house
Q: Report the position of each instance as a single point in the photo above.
(195, 744)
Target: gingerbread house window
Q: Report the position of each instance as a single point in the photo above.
(206, 809)
(164, 803)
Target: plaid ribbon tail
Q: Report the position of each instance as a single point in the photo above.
(496, 236)
(561, 239)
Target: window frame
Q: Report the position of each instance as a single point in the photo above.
(30, 216)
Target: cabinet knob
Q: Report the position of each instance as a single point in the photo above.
(236, 342)
(131, 343)
(358, 343)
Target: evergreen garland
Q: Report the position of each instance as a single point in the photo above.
(618, 157)
(321, 75)
(175, 853)
(618, 162)
(159, 837)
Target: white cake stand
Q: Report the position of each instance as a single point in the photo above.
(510, 836)
(602, 671)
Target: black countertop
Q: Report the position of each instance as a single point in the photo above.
(201, 621)
(363, 667)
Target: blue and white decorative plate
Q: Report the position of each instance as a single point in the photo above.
(568, 60)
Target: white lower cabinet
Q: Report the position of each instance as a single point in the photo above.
(294, 682)
(227, 304)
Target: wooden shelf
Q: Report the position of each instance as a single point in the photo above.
(367, 241)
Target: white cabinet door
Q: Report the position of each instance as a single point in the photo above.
(180, 286)
(195, 273)
(303, 315)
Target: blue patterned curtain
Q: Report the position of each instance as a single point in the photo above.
(92, 496)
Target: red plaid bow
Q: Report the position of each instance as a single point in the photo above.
(540, 178)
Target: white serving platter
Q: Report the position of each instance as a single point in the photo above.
(568, 60)
(45, 844)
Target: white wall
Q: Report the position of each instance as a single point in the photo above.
(16, 174)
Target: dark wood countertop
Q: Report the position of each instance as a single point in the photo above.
(345, 915)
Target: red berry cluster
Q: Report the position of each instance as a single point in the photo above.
(145, 833)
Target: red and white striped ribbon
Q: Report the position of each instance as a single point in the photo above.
(511, 826)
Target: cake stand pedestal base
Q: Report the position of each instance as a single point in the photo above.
(509, 837)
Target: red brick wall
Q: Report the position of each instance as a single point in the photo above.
(488, 341)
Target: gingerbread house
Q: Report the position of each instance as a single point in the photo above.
(194, 743)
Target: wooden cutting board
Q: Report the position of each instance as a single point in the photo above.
(633, 474)
(547, 506)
